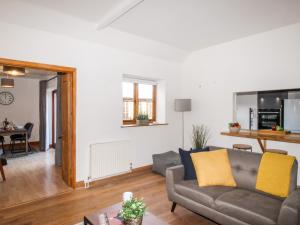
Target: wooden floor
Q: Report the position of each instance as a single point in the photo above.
(29, 178)
(69, 208)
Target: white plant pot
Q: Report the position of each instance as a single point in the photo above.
(142, 122)
(234, 129)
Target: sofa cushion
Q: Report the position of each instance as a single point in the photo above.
(244, 168)
(203, 195)
(213, 168)
(186, 160)
(274, 174)
(250, 207)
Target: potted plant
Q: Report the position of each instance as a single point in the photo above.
(234, 127)
(133, 211)
(200, 136)
(142, 120)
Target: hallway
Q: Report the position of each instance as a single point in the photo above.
(30, 178)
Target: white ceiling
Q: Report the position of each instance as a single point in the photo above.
(195, 24)
(39, 74)
(186, 24)
(90, 10)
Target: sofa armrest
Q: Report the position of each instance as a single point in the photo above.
(290, 209)
(173, 176)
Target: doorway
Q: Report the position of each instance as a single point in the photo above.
(68, 113)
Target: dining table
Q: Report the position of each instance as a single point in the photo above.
(16, 130)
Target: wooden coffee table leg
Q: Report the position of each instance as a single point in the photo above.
(85, 221)
(2, 172)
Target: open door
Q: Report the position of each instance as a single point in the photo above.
(67, 135)
(67, 128)
(54, 118)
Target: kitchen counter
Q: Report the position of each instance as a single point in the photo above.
(262, 136)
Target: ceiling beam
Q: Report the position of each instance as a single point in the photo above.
(117, 12)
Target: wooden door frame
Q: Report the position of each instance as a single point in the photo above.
(72, 93)
(54, 94)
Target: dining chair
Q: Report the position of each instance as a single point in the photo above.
(2, 171)
(21, 137)
(2, 142)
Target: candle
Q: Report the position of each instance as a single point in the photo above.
(127, 196)
(102, 219)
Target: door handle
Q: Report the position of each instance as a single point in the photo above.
(60, 137)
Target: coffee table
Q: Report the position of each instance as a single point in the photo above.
(112, 211)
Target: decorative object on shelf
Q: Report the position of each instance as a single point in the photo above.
(7, 82)
(5, 124)
(133, 211)
(6, 98)
(142, 120)
(200, 136)
(234, 127)
(279, 128)
(183, 105)
(14, 71)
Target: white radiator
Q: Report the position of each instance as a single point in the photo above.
(109, 159)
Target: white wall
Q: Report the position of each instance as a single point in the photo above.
(99, 94)
(261, 62)
(25, 108)
(41, 18)
(243, 103)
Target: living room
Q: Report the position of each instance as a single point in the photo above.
(194, 50)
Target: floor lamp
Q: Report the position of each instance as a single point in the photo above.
(183, 105)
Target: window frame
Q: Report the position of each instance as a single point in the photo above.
(136, 103)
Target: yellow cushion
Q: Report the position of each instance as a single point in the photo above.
(213, 168)
(274, 174)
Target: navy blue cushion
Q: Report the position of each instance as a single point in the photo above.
(186, 160)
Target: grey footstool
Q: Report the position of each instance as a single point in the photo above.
(165, 160)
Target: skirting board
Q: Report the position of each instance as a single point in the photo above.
(118, 178)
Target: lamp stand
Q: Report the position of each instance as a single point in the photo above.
(182, 130)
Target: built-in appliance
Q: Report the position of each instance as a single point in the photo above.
(252, 119)
(268, 118)
(292, 115)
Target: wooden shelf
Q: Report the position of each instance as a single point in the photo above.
(263, 135)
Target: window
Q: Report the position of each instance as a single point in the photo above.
(139, 97)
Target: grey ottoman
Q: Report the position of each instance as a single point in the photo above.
(165, 160)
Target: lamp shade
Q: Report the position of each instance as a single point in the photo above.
(14, 71)
(7, 83)
(183, 105)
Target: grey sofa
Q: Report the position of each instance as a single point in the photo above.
(240, 205)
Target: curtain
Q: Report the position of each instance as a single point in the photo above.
(43, 114)
(58, 146)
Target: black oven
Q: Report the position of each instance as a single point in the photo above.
(268, 118)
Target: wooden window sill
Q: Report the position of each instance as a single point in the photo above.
(150, 125)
